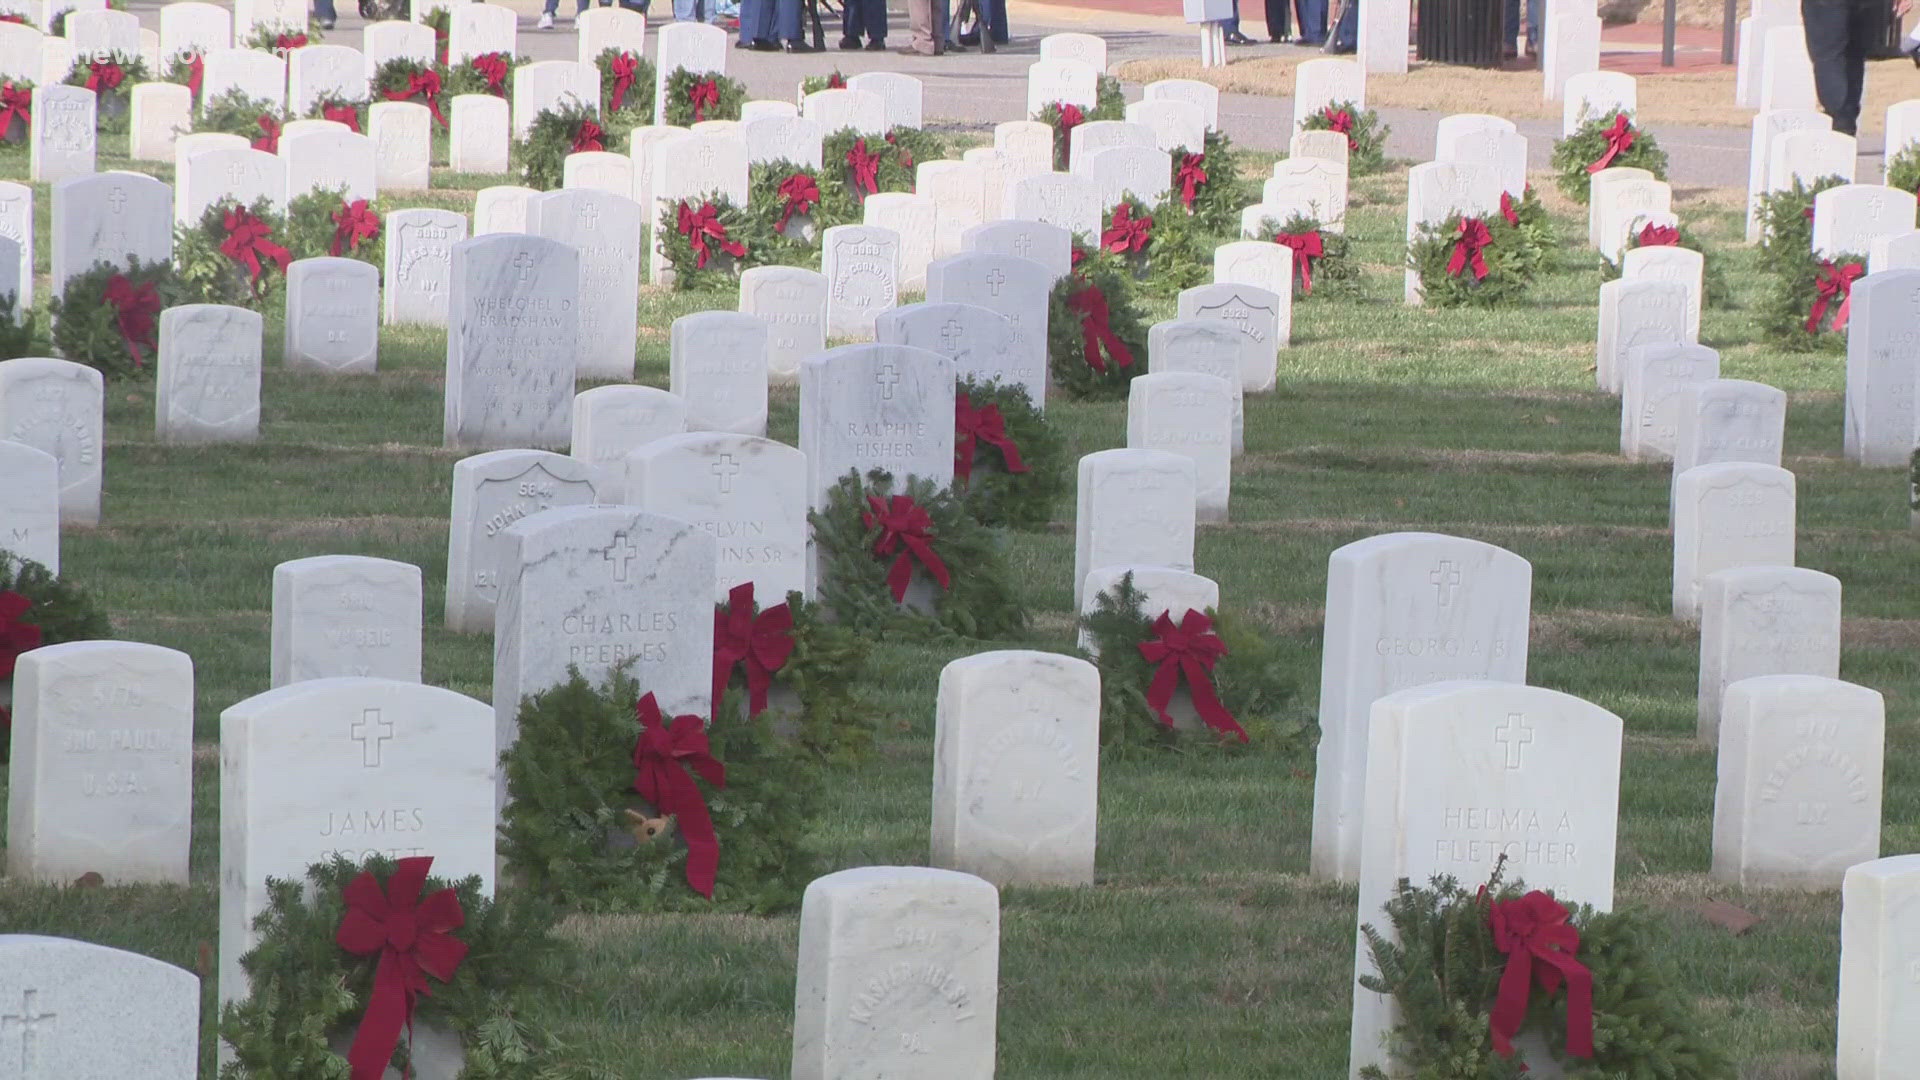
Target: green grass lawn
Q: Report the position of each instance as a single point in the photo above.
(1205, 950)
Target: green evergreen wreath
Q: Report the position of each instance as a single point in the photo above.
(912, 145)
(487, 73)
(1538, 237)
(1068, 332)
(1109, 101)
(813, 84)
(1788, 303)
(60, 610)
(723, 267)
(180, 73)
(1251, 679)
(576, 832)
(234, 113)
(1062, 118)
(21, 332)
(308, 992)
(440, 21)
(313, 226)
(1444, 971)
(636, 105)
(341, 111)
(1903, 169)
(679, 111)
(16, 136)
(1160, 247)
(1332, 272)
(889, 173)
(114, 78)
(1510, 259)
(394, 81)
(995, 495)
(87, 328)
(1786, 225)
(824, 675)
(1366, 135)
(983, 601)
(281, 40)
(1217, 200)
(1713, 278)
(550, 138)
(1575, 154)
(799, 245)
(209, 276)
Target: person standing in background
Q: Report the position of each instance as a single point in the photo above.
(1840, 33)
(1313, 22)
(994, 14)
(764, 21)
(1231, 26)
(323, 13)
(863, 17)
(687, 10)
(1279, 21)
(925, 29)
(1513, 29)
(553, 9)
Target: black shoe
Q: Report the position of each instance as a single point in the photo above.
(954, 46)
(799, 47)
(1239, 39)
(877, 45)
(763, 45)
(744, 44)
(848, 44)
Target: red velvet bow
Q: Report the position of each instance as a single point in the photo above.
(248, 238)
(287, 42)
(903, 521)
(342, 114)
(1472, 237)
(866, 168)
(269, 139)
(104, 74)
(703, 226)
(196, 74)
(1192, 174)
(414, 938)
(1190, 649)
(1307, 246)
(1507, 209)
(493, 67)
(1835, 284)
(1070, 117)
(625, 65)
(586, 138)
(762, 643)
(1619, 140)
(702, 94)
(440, 38)
(1127, 233)
(1341, 120)
(16, 636)
(799, 194)
(421, 84)
(1659, 236)
(134, 309)
(353, 224)
(662, 757)
(15, 101)
(836, 81)
(1535, 927)
(1095, 330)
(14, 17)
(973, 426)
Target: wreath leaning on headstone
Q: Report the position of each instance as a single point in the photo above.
(694, 96)
(112, 79)
(863, 165)
(910, 556)
(567, 127)
(790, 206)
(1785, 218)
(1160, 247)
(1604, 142)
(1320, 257)
(336, 987)
(1209, 186)
(234, 113)
(1712, 274)
(792, 663)
(38, 608)
(1186, 678)
(1096, 338)
(487, 73)
(1473, 261)
(700, 239)
(1366, 135)
(614, 806)
(340, 110)
(22, 333)
(281, 40)
(326, 222)
(1009, 463)
(1109, 100)
(188, 69)
(109, 317)
(626, 90)
(1470, 972)
(1062, 117)
(16, 115)
(1808, 301)
(233, 255)
(1903, 169)
(813, 84)
(407, 79)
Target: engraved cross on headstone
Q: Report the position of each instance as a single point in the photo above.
(589, 215)
(236, 174)
(117, 198)
(1022, 244)
(523, 262)
(620, 553)
(950, 335)
(370, 731)
(995, 278)
(1445, 578)
(1514, 734)
(29, 1022)
(887, 377)
(726, 469)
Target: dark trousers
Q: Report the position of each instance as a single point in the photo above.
(1313, 21)
(868, 17)
(1279, 19)
(1346, 33)
(1839, 34)
(767, 20)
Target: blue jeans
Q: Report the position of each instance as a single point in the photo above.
(863, 17)
(1534, 23)
(768, 20)
(553, 6)
(690, 10)
(1313, 21)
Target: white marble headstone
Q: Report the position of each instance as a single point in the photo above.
(88, 1010)
(345, 615)
(57, 407)
(490, 492)
(511, 347)
(748, 493)
(1764, 620)
(208, 374)
(792, 302)
(717, 364)
(1732, 513)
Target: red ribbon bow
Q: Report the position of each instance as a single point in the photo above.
(414, 939)
(493, 68)
(1307, 246)
(287, 42)
(354, 224)
(134, 309)
(342, 114)
(903, 521)
(586, 138)
(662, 757)
(104, 74)
(702, 94)
(1467, 245)
(1095, 330)
(762, 643)
(248, 238)
(421, 84)
(16, 636)
(703, 225)
(1535, 927)
(15, 101)
(1070, 117)
(1619, 140)
(625, 65)
(866, 168)
(973, 426)
(196, 73)
(1341, 120)
(1190, 649)
(1659, 236)
(836, 81)
(1192, 174)
(1508, 209)
(1127, 233)
(800, 194)
(14, 17)
(269, 139)
(1835, 283)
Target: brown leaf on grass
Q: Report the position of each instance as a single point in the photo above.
(89, 880)
(1734, 920)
